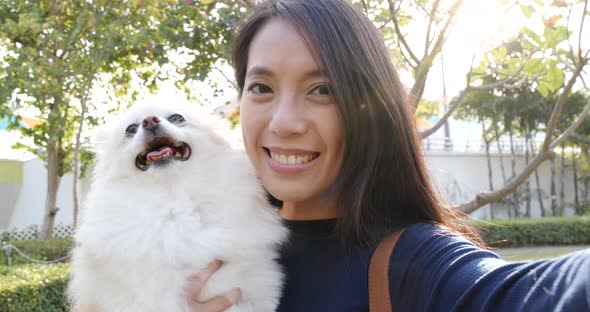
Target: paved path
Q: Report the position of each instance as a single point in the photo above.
(538, 252)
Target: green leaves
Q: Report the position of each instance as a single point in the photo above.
(554, 36)
(56, 49)
(527, 10)
(552, 80)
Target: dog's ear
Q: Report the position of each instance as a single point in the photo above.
(216, 128)
(217, 137)
(99, 139)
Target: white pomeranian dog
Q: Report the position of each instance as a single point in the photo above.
(170, 195)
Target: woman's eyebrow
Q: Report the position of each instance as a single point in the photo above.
(257, 70)
(260, 71)
(315, 73)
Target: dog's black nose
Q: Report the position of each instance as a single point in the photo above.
(150, 123)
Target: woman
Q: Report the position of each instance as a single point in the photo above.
(328, 127)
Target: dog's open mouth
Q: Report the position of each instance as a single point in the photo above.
(162, 150)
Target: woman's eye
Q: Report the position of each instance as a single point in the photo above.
(131, 129)
(323, 90)
(175, 119)
(259, 88)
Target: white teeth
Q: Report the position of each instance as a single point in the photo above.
(292, 159)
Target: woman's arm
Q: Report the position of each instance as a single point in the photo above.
(432, 269)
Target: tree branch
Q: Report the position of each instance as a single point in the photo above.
(454, 104)
(400, 36)
(581, 28)
(443, 33)
(249, 3)
(572, 128)
(545, 152)
(431, 19)
(365, 6)
(559, 105)
(485, 198)
(562, 60)
(226, 78)
(505, 83)
(401, 51)
(425, 64)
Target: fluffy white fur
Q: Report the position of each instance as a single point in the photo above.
(143, 233)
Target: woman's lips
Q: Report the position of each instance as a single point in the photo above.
(289, 160)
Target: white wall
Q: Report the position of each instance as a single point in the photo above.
(29, 201)
(459, 176)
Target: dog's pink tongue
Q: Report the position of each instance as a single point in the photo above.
(164, 151)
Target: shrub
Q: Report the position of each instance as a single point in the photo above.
(32, 287)
(535, 232)
(41, 250)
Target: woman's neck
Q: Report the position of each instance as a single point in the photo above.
(309, 211)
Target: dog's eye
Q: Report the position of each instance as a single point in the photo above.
(132, 129)
(175, 119)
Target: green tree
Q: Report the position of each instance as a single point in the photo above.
(55, 50)
(543, 58)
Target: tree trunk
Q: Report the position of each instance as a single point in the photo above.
(549, 144)
(539, 189)
(489, 160)
(515, 201)
(576, 199)
(53, 179)
(553, 191)
(500, 153)
(527, 184)
(76, 182)
(586, 178)
(562, 181)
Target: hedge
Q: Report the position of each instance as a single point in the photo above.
(41, 250)
(32, 287)
(535, 232)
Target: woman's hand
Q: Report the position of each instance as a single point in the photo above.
(216, 304)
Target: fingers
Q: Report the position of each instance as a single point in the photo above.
(221, 303)
(198, 281)
(216, 304)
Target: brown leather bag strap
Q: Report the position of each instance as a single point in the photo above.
(379, 300)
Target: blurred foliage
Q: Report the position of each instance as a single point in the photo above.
(540, 54)
(535, 232)
(45, 250)
(54, 51)
(427, 108)
(34, 287)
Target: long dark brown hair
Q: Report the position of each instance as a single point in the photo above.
(383, 184)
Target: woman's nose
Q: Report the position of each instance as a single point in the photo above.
(288, 117)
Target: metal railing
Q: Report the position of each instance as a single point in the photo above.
(7, 251)
(474, 146)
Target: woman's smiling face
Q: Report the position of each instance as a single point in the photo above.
(290, 122)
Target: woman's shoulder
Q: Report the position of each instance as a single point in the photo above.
(432, 236)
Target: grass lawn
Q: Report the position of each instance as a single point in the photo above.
(537, 252)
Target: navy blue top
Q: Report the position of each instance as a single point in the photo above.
(431, 269)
